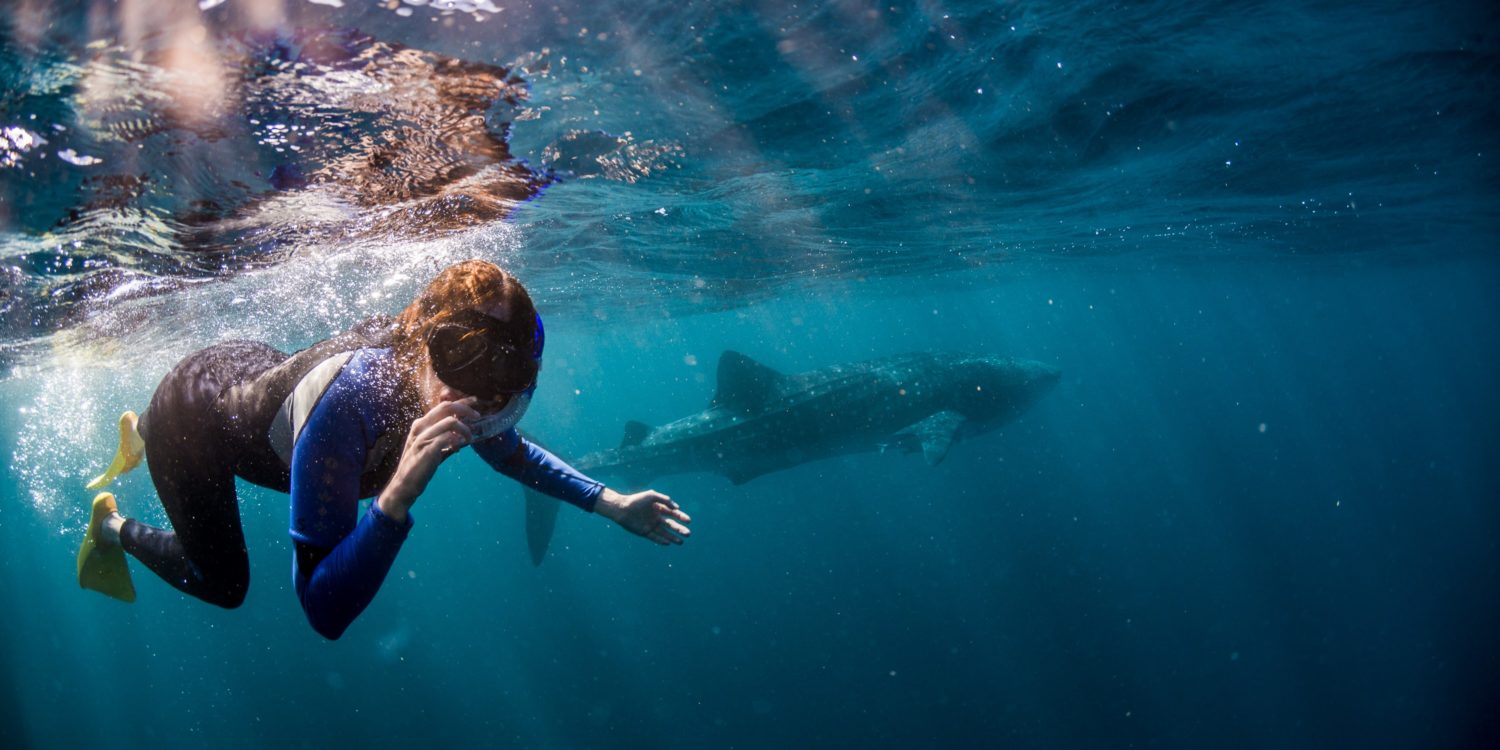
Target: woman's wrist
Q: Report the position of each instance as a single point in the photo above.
(393, 504)
(608, 503)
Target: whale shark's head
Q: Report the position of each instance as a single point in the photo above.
(996, 389)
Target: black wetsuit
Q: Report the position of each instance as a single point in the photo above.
(209, 422)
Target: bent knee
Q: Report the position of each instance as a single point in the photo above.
(231, 599)
(229, 593)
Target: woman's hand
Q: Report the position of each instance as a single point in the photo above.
(649, 514)
(434, 437)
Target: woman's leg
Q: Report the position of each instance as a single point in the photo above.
(191, 462)
(204, 555)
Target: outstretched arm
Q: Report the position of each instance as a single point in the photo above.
(649, 514)
(538, 468)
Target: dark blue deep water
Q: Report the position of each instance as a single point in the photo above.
(1259, 240)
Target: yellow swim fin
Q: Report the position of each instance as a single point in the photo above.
(101, 566)
(132, 450)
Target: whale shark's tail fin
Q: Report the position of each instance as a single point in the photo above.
(541, 522)
(541, 514)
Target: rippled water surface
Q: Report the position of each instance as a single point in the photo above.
(1257, 238)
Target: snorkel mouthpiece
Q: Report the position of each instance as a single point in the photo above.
(494, 425)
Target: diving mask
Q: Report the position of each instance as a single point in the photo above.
(484, 356)
(491, 359)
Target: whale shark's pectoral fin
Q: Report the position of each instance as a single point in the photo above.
(936, 434)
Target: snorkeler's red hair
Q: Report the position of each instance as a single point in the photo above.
(470, 285)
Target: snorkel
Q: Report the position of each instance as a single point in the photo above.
(494, 425)
(492, 360)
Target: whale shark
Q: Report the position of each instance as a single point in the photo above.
(761, 420)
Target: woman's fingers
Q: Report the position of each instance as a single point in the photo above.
(454, 425)
(669, 507)
(654, 516)
(666, 530)
(462, 410)
(665, 511)
(673, 512)
(439, 440)
(446, 426)
(452, 441)
(676, 527)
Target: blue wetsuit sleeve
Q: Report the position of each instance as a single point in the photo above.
(344, 581)
(342, 557)
(537, 468)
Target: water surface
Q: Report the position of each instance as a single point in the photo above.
(1257, 239)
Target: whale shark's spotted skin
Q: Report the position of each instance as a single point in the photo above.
(762, 421)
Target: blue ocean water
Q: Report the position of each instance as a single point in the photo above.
(1258, 239)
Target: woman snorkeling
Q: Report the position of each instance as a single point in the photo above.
(371, 412)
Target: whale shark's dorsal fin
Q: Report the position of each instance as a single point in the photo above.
(936, 434)
(635, 433)
(744, 384)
